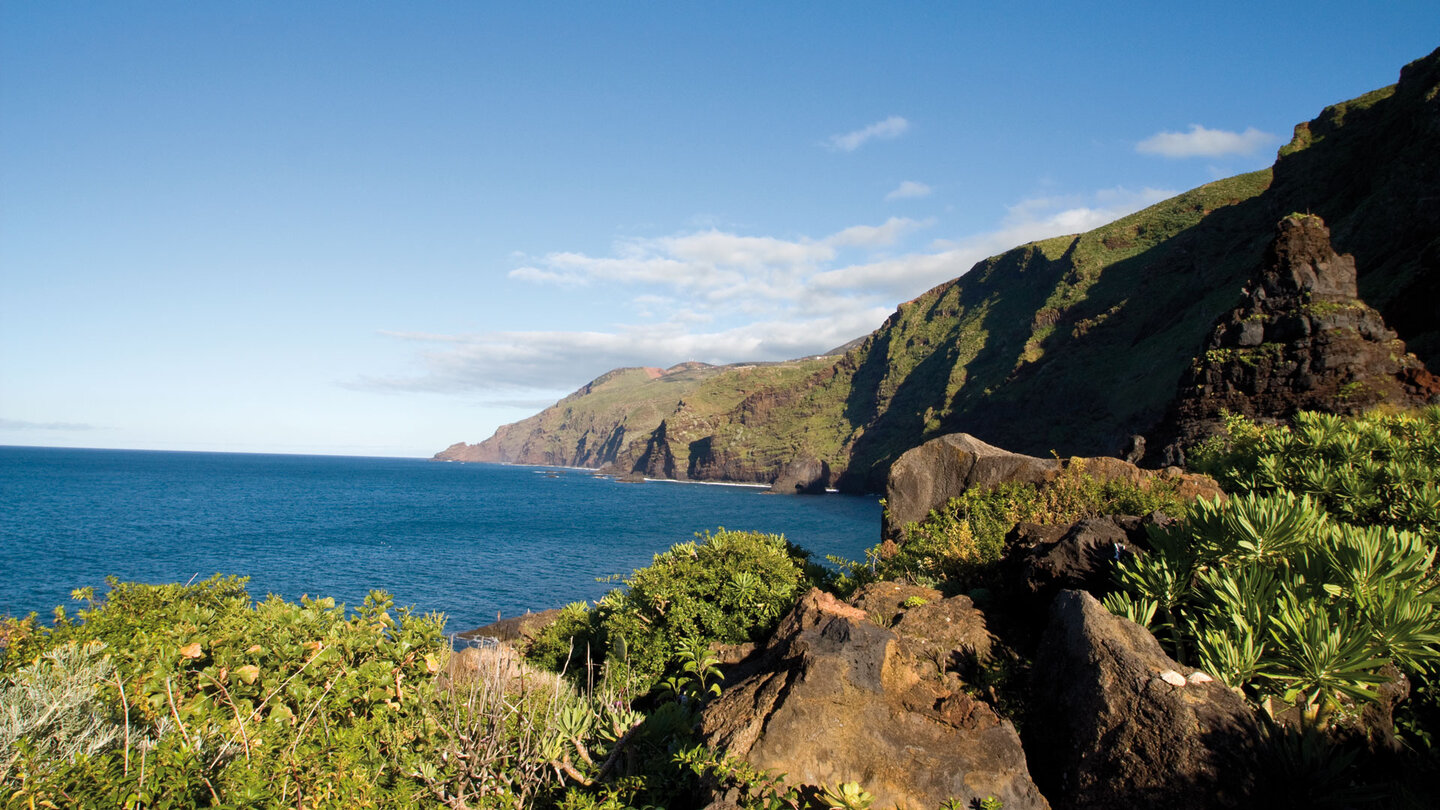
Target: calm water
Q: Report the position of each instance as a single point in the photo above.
(469, 540)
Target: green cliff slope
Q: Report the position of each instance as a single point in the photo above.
(1069, 345)
(598, 423)
(1073, 344)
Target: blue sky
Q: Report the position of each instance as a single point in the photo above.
(379, 228)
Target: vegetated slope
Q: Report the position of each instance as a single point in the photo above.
(1072, 344)
(598, 422)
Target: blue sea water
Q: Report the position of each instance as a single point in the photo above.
(469, 540)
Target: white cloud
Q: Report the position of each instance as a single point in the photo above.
(892, 127)
(722, 297)
(1202, 142)
(21, 424)
(877, 235)
(909, 190)
(563, 361)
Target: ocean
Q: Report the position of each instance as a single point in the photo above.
(470, 540)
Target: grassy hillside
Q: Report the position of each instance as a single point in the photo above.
(1071, 345)
(1068, 345)
(599, 422)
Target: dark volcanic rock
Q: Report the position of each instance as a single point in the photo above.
(838, 698)
(1119, 733)
(1081, 557)
(658, 460)
(803, 476)
(1300, 340)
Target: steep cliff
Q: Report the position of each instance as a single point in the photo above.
(1074, 344)
(613, 416)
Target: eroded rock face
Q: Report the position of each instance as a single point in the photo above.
(1125, 733)
(803, 476)
(836, 698)
(1300, 340)
(928, 476)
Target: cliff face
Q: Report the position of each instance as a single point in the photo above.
(609, 422)
(1074, 344)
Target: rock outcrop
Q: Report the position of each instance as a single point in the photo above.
(835, 697)
(1041, 561)
(928, 476)
(1128, 727)
(803, 476)
(1300, 340)
(518, 631)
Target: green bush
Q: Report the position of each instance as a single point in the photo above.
(1380, 469)
(196, 696)
(728, 587)
(1272, 596)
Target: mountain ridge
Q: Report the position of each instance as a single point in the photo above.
(1073, 344)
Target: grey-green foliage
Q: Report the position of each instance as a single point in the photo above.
(1269, 594)
(57, 706)
(1377, 469)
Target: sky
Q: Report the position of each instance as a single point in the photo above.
(378, 228)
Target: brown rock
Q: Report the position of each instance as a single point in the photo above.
(838, 698)
(1122, 733)
(519, 631)
(928, 476)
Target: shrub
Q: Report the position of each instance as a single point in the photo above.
(728, 587)
(954, 546)
(1272, 596)
(197, 696)
(1379, 469)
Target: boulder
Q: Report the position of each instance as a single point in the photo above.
(803, 476)
(835, 697)
(1079, 556)
(519, 631)
(1128, 727)
(927, 477)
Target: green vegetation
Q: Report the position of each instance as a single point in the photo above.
(955, 548)
(1375, 470)
(1309, 590)
(187, 696)
(1314, 587)
(729, 587)
(176, 696)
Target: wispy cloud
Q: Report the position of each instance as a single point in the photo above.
(1202, 142)
(21, 424)
(909, 190)
(892, 127)
(721, 297)
(888, 233)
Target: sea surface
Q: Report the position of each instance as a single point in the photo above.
(470, 540)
